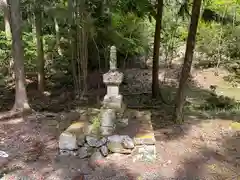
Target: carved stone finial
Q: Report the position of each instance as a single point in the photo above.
(113, 58)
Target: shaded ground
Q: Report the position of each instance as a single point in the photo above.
(201, 148)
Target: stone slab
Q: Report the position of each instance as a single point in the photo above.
(75, 133)
(68, 141)
(139, 127)
(77, 127)
(144, 153)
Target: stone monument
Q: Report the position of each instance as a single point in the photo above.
(112, 101)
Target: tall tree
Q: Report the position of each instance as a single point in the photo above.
(21, 100)
(4, 4)
(5, 7)
(157, 38)
(40, 53)
(191, 40)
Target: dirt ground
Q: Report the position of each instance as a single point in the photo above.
(200, 148)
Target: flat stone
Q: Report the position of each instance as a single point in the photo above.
(92, 141)
(74, 135)
(104, 150)
(128, 143)
(144, 153)
(101, 142)
(78, 128)
(117, 147)
(68, 141)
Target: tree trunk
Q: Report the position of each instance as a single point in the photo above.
(5, 7)
(72, 43)
(21, 101)
(180, 99)
(57, 36)
(6, 10)
(40, 53)
(157, 37)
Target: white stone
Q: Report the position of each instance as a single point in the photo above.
(112, 90)
(68, 141)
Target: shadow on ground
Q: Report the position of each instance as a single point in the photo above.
(34, 142)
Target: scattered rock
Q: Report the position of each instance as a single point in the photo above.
(67, 141)
(128, 143)
(92, 141)
(83, 152)
(101, 142)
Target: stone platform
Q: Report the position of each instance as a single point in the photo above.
(137, 138)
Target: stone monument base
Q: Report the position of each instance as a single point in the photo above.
(114, 102)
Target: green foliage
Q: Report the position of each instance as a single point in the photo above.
(130, 33)
(221, 102)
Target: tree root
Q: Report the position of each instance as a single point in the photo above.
(15, 114)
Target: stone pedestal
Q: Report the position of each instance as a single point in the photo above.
(112, 101)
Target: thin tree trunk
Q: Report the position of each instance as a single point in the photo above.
(157, 38)
(6, 10)
(40, 53)
(21, 100)
(180, 99)
(5, 6)
(72, 43)
(57, 36)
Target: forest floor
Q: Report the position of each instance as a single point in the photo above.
(205, 146)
